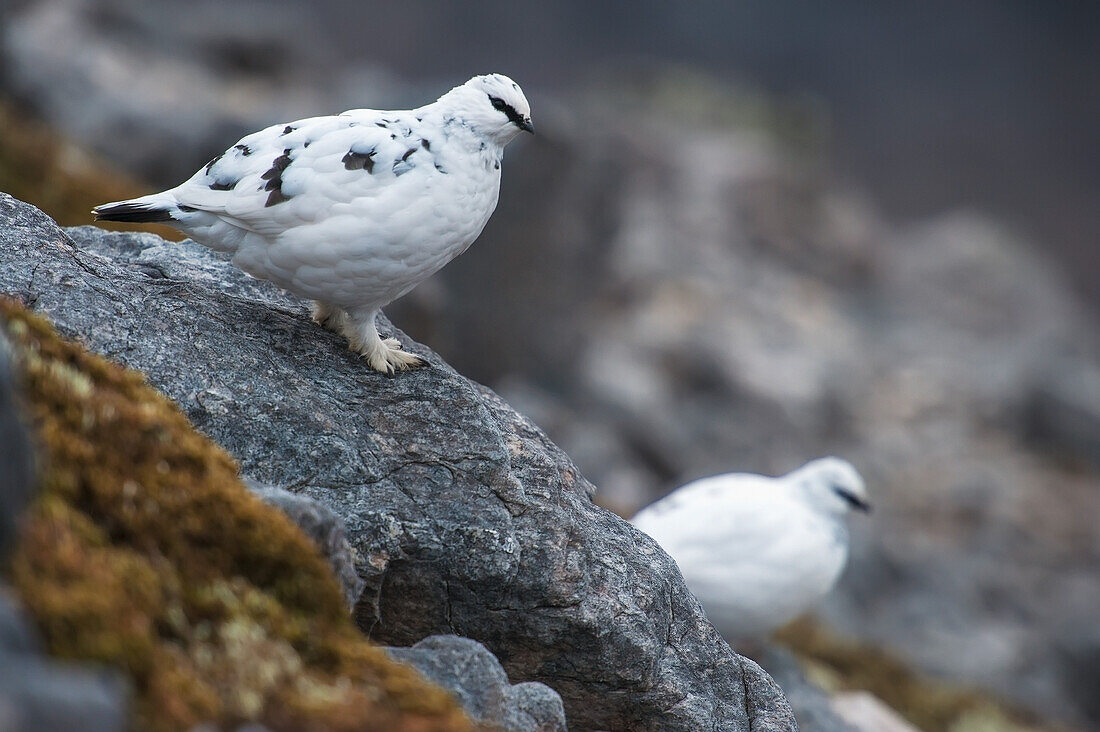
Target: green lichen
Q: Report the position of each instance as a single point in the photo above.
(145, 552)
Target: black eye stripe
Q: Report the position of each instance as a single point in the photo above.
(853, 500)
(507, 108)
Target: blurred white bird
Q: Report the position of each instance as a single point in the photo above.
(354, 210)
(758, 551)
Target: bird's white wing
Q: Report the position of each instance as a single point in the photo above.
(290, 174)
(744, 514)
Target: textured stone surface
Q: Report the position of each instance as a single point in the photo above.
(811, 705)
(467, 668)
(41, 695)
(465, 518)
(323, 526)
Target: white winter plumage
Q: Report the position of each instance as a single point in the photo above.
(354, 210)
(758, 551)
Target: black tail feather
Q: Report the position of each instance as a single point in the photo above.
(138, 213)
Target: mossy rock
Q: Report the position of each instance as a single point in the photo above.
(145, 552)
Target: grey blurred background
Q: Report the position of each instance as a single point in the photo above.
(746, 235)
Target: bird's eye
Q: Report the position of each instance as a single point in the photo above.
(498, 103)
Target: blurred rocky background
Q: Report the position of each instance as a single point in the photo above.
(745, 236)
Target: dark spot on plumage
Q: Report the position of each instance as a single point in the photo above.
(186, 209)
(496, 165)
(359, 161)
(307, 143)
(440, 169)
(427, 145)
(220, 186)
(245, 149)
(278, 165)
(274, 178)
(380, 124)
(393, 137)
(213, 162)
(276, 196)
(402, 164)
(288, 129)
(419, 118)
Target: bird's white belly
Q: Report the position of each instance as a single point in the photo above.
(748, 596)
(369, 251)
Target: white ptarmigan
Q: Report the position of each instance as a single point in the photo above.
(352, 210)
(758, 551)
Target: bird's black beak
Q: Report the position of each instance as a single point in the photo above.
(854, 501)
(526, 126)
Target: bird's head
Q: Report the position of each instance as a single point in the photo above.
(492, 105)
(834, 485)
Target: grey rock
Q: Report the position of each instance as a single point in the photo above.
(1061, 413)
(16, 465)
(465, 518)
(769, 708)
(810, 703)
(477, 679)
(323, 526)
(38, 694)
(17, 637)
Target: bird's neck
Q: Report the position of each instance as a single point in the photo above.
(463, 141)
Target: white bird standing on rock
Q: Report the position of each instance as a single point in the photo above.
(758, 551)
(353, 210)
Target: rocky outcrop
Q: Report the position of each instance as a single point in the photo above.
(464, 517)
(475, 676)
(143, 554)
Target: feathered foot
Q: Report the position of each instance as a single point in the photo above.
(383, 355)
(330, 317)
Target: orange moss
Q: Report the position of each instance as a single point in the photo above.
(145, 552)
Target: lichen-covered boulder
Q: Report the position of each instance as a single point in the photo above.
(465, 518)
(143, 552)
